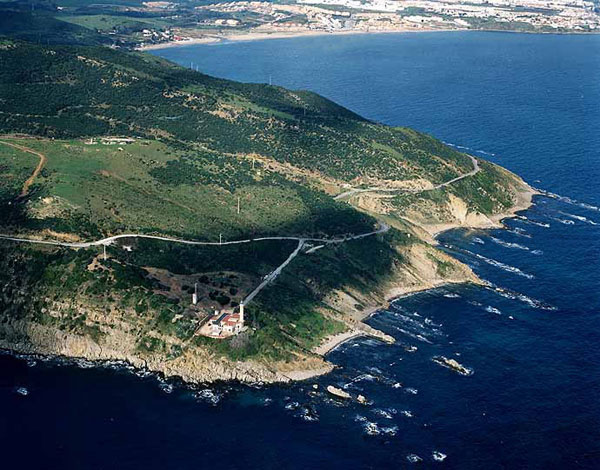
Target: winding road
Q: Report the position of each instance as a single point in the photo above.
(373, 189)
(302, 241)
(110, 240)
(383, 227)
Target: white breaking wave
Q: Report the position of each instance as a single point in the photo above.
(580, 218)
(498, 264)
(532, 222)
(373, 429)
(420, 326)
(563, 221)
(390, 430)
(452, 295)
(360, 378)
(456, 146)
(508, 294)
(306, 413)
(414, 336)
(519, 231)
(462, 147)
(478, 240)
(509, 244)
(387, 414)
(491, 309)
(569, 200)
(208, 396)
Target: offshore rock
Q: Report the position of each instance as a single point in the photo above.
(452, 364)
(338, 392)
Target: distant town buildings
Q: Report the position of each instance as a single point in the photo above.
(390, 15)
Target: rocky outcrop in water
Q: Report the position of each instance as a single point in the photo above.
(452, 364)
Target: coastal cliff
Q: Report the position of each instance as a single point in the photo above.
(233, 186)
(419, 271)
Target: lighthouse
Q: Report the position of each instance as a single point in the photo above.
(195, 294)
(242, 313)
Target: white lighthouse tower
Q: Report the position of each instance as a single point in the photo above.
(195, 294)
(242, 313)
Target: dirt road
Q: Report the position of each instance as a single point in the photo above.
(37, 170)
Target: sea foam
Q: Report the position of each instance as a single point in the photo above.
(509, 244)
(569, 200)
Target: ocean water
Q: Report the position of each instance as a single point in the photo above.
(532, 341)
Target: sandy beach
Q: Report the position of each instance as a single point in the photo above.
(214, 38)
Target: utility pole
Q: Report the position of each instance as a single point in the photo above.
(238, 204)
(220, 239)
(104, 252)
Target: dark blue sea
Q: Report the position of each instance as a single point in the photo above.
(528, 102)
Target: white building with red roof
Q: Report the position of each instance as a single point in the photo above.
(224, 323)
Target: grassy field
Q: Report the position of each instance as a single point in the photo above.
(15, 167)
(148, 186)
(110, 22)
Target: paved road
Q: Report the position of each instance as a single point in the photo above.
(373, 189)
(110, 240)
(267, 280)
(271, 276)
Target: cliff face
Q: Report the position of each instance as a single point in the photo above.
(195, 365)
(423, 267)
(478, 202)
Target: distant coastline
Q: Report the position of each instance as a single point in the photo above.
(214, 38)
(264, 35)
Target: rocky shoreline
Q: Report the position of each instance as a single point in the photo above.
(200, 366)
(524, 201)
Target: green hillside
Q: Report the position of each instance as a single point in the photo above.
(66, 92)
(97, 142)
